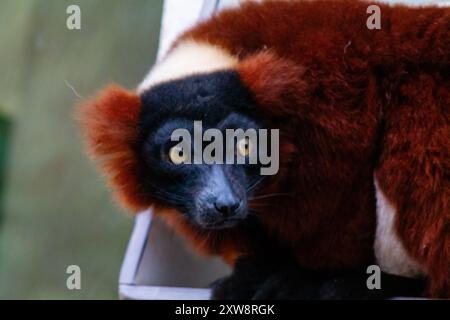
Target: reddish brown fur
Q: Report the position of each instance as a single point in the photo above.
(414, 172)
(110, 125)
(349, 102)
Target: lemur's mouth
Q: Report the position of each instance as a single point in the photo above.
(223, 224)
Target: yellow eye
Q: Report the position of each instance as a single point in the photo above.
(176, 155)
(244, 147)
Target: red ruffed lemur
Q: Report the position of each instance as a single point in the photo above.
(364, 147)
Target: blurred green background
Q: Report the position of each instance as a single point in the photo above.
(55, 208)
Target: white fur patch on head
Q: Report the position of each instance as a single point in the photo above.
(188, 58)
(390, 252)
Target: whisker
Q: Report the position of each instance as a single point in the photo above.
(164, 195)
(254, 184)
(260, 204)
(264, 196)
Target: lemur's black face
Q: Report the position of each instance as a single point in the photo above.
(214, 195)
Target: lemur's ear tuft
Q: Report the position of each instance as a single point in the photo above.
(110, 126)
(276, 83)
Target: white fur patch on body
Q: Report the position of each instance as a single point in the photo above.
(390, 252)
(186, 59)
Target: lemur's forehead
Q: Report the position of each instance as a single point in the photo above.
(207, 97)
(221, 88)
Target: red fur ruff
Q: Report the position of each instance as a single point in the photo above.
(110, 125)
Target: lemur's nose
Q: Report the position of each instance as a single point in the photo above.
(227, 207)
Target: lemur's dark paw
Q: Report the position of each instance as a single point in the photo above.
(247, 276)
(288, 284)
(231, 288)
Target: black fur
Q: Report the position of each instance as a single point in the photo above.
(220, 101)
(208, 97)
